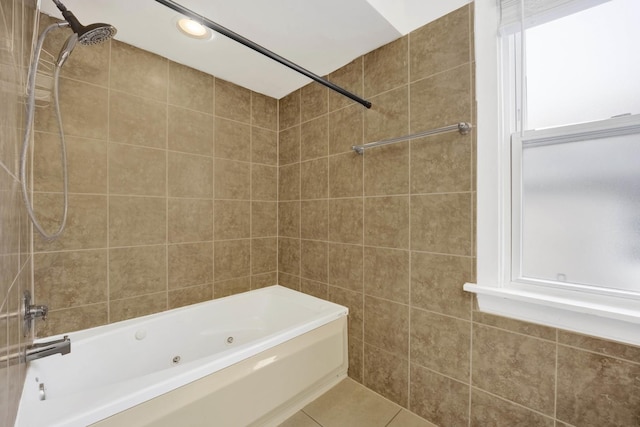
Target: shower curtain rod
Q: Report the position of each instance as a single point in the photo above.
(462, 127)
(266, 52)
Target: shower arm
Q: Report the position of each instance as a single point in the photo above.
(266, 52)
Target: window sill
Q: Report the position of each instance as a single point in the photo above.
(591, 315)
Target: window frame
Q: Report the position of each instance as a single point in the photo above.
(607, 316)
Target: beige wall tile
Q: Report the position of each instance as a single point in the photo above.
(232, 259)
(441, 45)
(264, 111)
(289, 219)
(316, 289)
(356, 359)
(314, 138)
(345, 175)
(191, 131)
(516, 367)
(137, 271)
(289, 110)
(189, 220)
(386, 325)
(289, 281)
(386, 274)
(597, 390)
(513, 325)
(314, 179)
(289, 256)
(264, 182)
(263, 280)
(346, 129)
(264, 255)
(70, 279)
(84, 108)
(348, 77)
(190, 175)
(86, 164)
(189, 265)
(137, 220)
(138, 72)
(232, 140)
(346, 220)
(231, 287)
(232, 180)
(389, 115)
(264, 219)
(232, 101)
(314, 101)
(608, 348)
(190, 88)
(386, 170)
(441, 164)
(264, 146)
(137, 171)
(314, 260)
(346, 266)
(289, 182)
(73, 319)
(143, 305)
(354, 301)
(387, 67)
(191, 295)
(86, 223)
(232, 219)
(441, 223)
(386, 374)
(136, 120)
(438, 399)
(436, 283)
(441, 100)
(289, 146)
(488, 410)
(441, 343)
(386, 222)
(314, 219)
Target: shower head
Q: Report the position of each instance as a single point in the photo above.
(90, 34)
(66, 50)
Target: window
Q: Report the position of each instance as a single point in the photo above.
(559, 196)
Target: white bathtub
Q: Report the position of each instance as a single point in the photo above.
(248, 359)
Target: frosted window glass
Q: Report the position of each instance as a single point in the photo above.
(584, 67)
(581, 212)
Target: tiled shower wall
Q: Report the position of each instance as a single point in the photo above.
(391, 235)
(17, 19)
(172, 188)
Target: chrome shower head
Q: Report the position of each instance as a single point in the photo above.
(90, 34)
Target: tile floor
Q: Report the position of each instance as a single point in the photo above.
(350, 404)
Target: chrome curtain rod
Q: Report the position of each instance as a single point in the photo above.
(462, 127)
(266, 52)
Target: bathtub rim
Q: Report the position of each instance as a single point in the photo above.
(157, 383)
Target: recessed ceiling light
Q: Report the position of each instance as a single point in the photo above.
(193, 29)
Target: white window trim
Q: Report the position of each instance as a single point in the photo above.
(602, 316)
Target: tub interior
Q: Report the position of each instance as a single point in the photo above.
(174, 340)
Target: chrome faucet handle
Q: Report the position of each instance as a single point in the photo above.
(32, 312)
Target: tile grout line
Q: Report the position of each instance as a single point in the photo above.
(166, 189)
(472, 237)
(362, 241)
(409, 224)
(108, 245)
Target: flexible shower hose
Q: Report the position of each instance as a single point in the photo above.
(33, 68)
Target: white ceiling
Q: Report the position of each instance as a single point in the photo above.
(319, 35)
